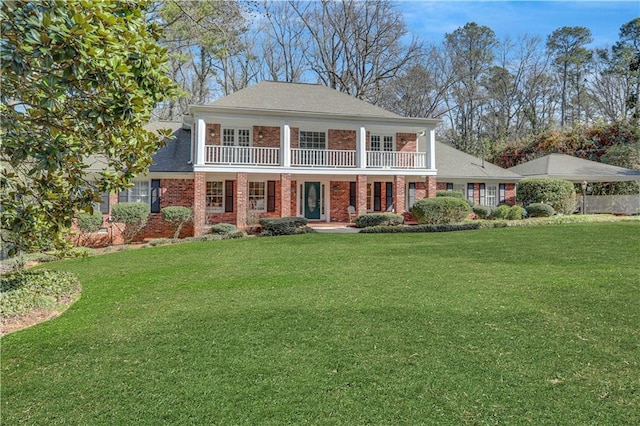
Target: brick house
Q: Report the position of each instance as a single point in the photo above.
(289, 149)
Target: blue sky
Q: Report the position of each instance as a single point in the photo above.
(432, 19)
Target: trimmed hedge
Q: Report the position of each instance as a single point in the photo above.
(540, 210)
(27, 290)
(178, 215)
(377, 219)
(133, 215)
(517, 213)
(223, 228)
(420, 228)
(454, 194)
(483, 212)
(438, 210)
(501, 212)
(284, 226)
(89, 222)
(559, 194)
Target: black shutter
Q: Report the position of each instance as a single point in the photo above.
(389, 195)
(123, 196)
(228, 195)
(502, 195)
(104, 203)
(377, 196)
(155, 195)
(470, 195)
(271, 196)
(483, 188)
(449, 186)
(352, 194)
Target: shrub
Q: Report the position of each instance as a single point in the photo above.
(455, 194)
(377, 219)
(516, 213)
(483, 212)
(133, 216)
(89, 222)
(24, 291)
(501, 212)
(223, 229)
(440, 210)
(540, 210)
(420, 228)
(177, 215)
(284, 226)
(559, 194)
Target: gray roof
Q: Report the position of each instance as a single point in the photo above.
(455, 164)
(300, 97)
(176, 154)
(562, 166)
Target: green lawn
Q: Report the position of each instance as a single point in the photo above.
(533, 325)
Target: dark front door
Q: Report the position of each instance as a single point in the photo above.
(312, 200)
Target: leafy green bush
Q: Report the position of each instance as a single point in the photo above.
(439, 210)
(89, 222)
(559, 194)
(223, 228)
(517, 213)
(483, 212)
(376, 219)
(284, 226)
(177, 215)
(455, 194)
(420, 228)
(133, 216)
(501, 212)
(24, 291)
(540, 210)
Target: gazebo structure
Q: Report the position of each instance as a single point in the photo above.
(578, 170)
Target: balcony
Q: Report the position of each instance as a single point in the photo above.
(312, 158)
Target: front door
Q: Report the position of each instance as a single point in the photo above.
(312, 200)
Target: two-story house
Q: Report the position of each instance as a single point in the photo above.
(289, 149)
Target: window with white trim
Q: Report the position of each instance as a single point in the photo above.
(147, 191)
(139, 193)
(381, 143)
(313, 140)
(491, 198)
(236, 137)
(257, 196)
(215, 197)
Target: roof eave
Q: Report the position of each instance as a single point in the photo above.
(408, 121)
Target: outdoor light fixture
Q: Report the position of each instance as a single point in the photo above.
(260, 135)
(212, 132)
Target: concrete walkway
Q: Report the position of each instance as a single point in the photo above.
(333, 227)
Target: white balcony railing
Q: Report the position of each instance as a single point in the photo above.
(242, 155)
(262, 156)
(396, 160)
(323, 158)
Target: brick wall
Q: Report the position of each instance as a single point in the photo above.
(339, 200)
(510, 193)
(212, 134)
(294, 134)
(342, 139)
(270, 136)
(294, 198)
(406, 142)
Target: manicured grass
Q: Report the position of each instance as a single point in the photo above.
(497, 326)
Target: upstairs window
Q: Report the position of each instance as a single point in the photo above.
(381, 143)
(313, 140)
(236, 137)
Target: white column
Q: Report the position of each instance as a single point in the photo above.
(361, 148)
(431, 153)
(201, 128)
(285, 145)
